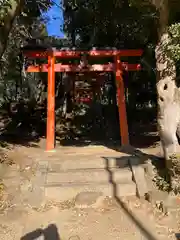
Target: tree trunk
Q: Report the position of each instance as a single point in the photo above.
(14, 10)
(168, 108)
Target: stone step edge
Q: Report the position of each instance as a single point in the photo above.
(138, 174)
(73, 170)
(87, 184)
(62, 193)
(89, 164)
(88, 176)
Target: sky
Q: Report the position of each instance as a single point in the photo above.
(55, 20)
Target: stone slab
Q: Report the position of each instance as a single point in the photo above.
(77, 162)
(61, 193)
(90, 176)
(87, 199)
(138, 176)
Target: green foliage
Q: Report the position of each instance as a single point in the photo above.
(161, 180)
(169, 179)
(111, 23)
(173, 46)
(4, 6)
(28, 24)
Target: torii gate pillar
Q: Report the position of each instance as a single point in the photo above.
(121, 102)
(50, 131)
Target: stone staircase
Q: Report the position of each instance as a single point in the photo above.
(76, 173)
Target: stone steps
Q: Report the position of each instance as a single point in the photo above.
(90, 176)
(89, 162)
(101, 173)
(110, 176)
(63, 192)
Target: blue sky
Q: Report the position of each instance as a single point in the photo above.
(55, 20)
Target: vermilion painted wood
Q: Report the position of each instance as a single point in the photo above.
(93, 68)
(50, 143)
(51, 68)
(121, 103)
(93, 53)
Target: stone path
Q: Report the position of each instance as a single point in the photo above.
(26, 214)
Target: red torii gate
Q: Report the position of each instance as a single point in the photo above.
(118, 67)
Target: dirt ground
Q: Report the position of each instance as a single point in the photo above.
(107, 221)
(126, 218)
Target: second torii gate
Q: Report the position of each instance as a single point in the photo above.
(117, 67)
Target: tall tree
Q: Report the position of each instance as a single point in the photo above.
(14, 9)
(167, 90)
(10, 9)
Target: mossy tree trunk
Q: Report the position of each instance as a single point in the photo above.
(15, 7)
(168, 117)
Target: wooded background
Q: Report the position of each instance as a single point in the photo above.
(121, 24)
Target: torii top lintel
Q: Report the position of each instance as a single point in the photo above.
(41, 53)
